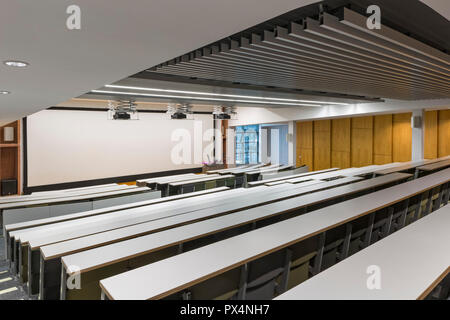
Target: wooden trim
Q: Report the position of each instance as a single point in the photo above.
(434, 284)
(10, 160)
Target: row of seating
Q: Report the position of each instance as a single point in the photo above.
(102, 243)
(52, 204)
(405, 266)
(206, 210)
(208, 231)
(15, 252)
(246, 174)
(263, 263)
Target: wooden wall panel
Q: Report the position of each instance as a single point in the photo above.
(322, 144)
(362, 141)
(305, 144)
(402, 137)
(382, 139)
(10, 155)
(444, 133)
(8, 161)
(340, 143)
(430, 135)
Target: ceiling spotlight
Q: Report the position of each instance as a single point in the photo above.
(15, 63)
(4, 92)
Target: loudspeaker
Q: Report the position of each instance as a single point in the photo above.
(9, 187)
(8, 134)
(416, 122)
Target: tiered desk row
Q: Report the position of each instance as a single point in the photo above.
(409, 264)
(208, 239)
(246, 174)
(57, 203)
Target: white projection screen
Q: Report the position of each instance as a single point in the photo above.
(69, 145)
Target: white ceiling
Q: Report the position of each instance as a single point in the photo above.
(117, 38)
(440, 6)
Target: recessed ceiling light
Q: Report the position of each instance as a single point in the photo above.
(15, 63)
(4, 92)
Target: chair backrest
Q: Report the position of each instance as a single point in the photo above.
(230, 182)
(263, 274)
(199, 186)
(210, 184)
(222, 287)
(299, 270)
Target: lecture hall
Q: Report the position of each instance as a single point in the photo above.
(238, 150)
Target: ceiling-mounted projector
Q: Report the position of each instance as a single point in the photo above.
(122, 110)
(224, 113)
(222, 116)
(180, 112)
(178, 115)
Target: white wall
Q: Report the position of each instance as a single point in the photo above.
(247, 116)
(274, 136)
(68, 146)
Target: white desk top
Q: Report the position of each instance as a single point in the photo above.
(56, 195)
(174, 217)
(167, 180)
(39, 222)
(264, 170)
(409, 165)
(367, 169)
(261, 182)
(240, 168)
(171, 275)
(372, 169)
(91, 259)
(335, 173)
(70, 197)
(193, 177)
(320, 176)
(157, 179)
(202, 179)
(261, 167)
(167, 218)
(154, 211)
(435, 165)
(404, 166)
(410, 261)
(74, 189)
(227, 170)
(300, 200)
(65, 247)
(56, 192)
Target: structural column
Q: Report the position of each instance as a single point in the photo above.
(417, 135)
(292, 142)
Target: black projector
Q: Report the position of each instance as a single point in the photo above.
(178, 115)
(121, 116)
(222, 116)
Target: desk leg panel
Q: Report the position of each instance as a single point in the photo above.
(34, 271)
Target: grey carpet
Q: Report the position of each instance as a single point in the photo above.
(7, 280)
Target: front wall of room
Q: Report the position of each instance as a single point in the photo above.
(66, 146)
